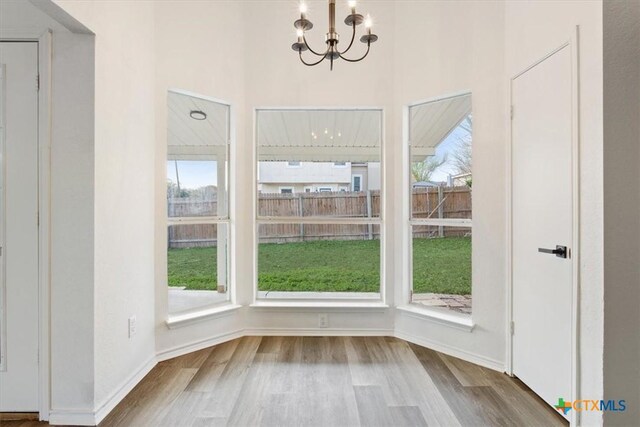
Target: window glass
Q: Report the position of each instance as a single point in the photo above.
(318, 258)
(330, 146)
(441, 182)
(197, 192)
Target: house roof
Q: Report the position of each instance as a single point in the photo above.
(190, 139)
(432, 122)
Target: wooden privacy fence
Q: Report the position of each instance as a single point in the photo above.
(440, 202)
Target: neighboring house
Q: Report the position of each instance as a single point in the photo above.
(459, 180)
(298, 177)
(426, 184)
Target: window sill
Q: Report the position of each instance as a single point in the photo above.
(364, 305)
(455, 320)
(184, 319)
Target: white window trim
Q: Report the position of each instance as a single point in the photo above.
(286, 188)
(205, 311)
(353, 176)
(325, 189)
(446, 316)
(3, 300)
(380, 221)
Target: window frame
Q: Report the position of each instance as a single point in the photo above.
(353, 176)
(291, 190)
(226, 220)
(407, 192)
(379, 221)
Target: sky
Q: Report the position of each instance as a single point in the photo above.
(447, 147)
(193, 174)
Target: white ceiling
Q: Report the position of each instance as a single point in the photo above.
(432, 122)
(319, 135)
(190, 139)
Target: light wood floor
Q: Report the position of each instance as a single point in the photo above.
(327, 381)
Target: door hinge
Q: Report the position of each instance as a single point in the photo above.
(512, 327)
(512, 112)
(38, 82)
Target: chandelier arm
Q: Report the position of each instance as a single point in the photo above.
(353, 37)
(311, 64)
(359, 59)
(304, 39)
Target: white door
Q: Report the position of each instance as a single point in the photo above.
(542, 215)
(19, 229)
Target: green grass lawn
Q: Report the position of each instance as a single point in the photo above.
(440, 266)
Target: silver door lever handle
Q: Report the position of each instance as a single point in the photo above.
(559, 251)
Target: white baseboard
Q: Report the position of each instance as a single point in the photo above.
(72, 417)
(452, 351)
(197, 345)
(122, 391)
(91, 418)
(334, 332)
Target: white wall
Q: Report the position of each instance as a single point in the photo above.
(199, 47)
(622, 208)
(123, 182)
(445, 47)
(368, 83)
(532, 30)
(426, 49)
(72, 224)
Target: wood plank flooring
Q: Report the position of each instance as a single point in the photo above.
(327, 381)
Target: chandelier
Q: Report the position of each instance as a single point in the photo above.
(332, 53)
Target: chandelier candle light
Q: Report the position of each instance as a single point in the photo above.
(303, 25)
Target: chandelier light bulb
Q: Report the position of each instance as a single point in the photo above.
(331, 53)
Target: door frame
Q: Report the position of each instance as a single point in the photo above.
(44, 41)
(573, 44)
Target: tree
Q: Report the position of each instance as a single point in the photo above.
(173, 192)
(461, 154)
(422, 171)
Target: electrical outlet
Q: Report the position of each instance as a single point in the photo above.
(323, 320)
(132, 326)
